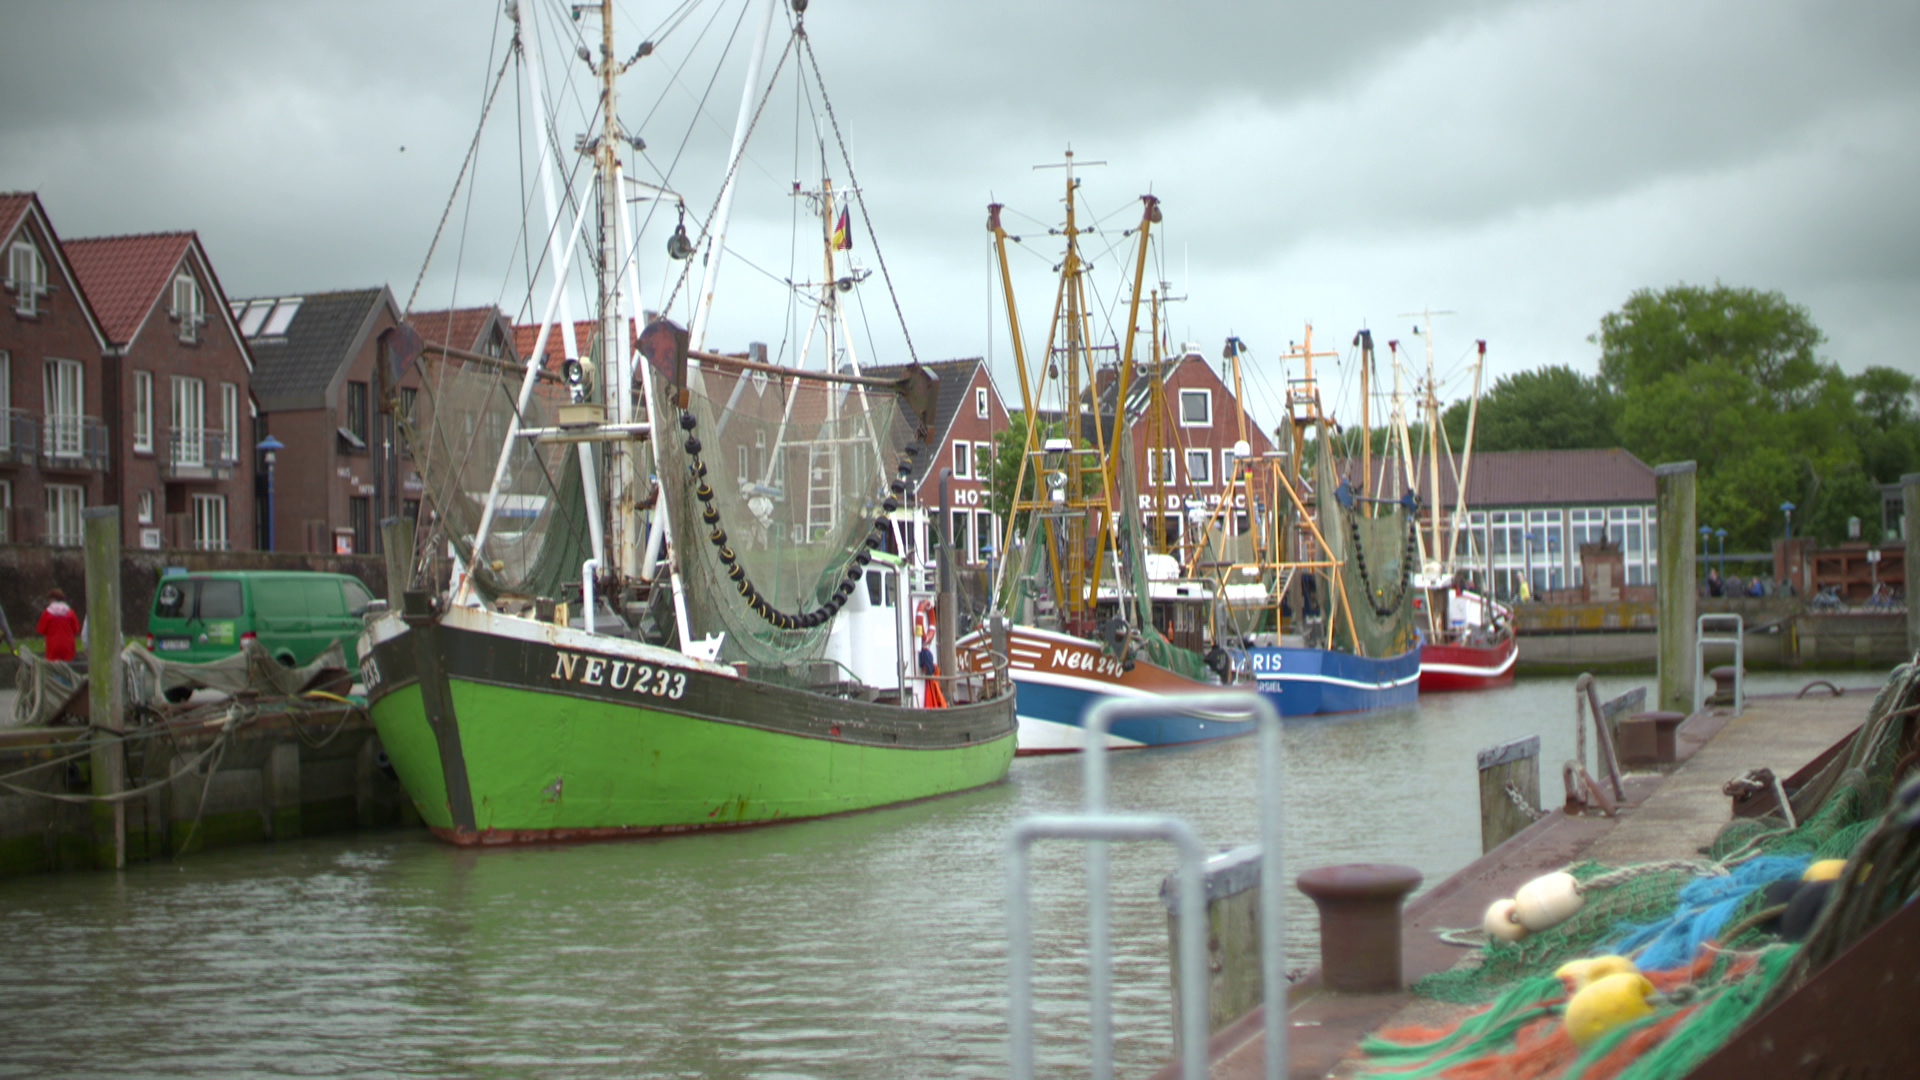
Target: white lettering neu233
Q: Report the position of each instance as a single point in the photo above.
(619, 675)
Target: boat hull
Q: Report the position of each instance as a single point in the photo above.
(507, 731)
(1307, 681)
(1058, 679)
(1467, 667)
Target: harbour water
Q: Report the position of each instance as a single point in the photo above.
(869, 946)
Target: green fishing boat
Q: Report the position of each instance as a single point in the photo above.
(672, 603)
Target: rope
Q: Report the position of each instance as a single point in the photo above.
(800, 33)
(473, 151)
(235, 720)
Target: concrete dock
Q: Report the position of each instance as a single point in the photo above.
(1666, 815)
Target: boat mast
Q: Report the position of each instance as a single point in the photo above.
(1466, 453)
(717, 238)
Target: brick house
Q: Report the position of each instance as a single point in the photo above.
(968, 413)
(174, 391)
(342, 467)
(53, 447)
(1197, 424)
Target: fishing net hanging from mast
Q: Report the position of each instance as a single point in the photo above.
(774, 493)
(538, 538)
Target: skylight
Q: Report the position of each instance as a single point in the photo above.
(283, 313)
(251, 318)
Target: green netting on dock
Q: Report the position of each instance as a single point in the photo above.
(1732, 968)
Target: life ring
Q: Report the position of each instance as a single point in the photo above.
(923, 621)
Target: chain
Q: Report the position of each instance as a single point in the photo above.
(1520, 801)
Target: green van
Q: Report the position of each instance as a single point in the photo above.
(295, 614)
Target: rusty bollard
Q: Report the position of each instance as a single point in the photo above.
(1360, 923)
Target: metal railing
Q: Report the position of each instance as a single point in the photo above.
(198, 453)
(19, 434)
(73, 442)
(1097, 826)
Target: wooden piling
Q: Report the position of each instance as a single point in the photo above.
(1910, 532)
(108, 757)
(1234, 985)
(1675, 602)
(1516, 763)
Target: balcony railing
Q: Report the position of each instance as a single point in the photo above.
(73, 442)
(198, 455)
(19, 434)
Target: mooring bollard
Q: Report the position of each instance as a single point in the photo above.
(1360, 923)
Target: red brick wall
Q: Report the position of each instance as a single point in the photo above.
(59, 330)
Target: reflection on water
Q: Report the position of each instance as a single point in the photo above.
(865, 946)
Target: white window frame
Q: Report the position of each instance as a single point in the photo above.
(188, 445)
(1205, 397)
(66, 390)
(146, 507)
(210, 522)
(30, 286)
(1165, 459)
(143, 411)
(65, 505)
(229, 421)
(980, 403)
(1202, 476)
(962, 459)
(6, 384)
(189, 305)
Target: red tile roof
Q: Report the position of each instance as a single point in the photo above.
(125, 276)
(461, 328)
(13, 207)
(525, 336)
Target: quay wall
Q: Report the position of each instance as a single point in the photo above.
(276, 776)
(1620, 638)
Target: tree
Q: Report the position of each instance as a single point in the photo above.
(1552, 408)
(1889, 428)
(1728, 377)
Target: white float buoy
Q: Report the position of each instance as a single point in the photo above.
(1500, 923)
(1547, 901)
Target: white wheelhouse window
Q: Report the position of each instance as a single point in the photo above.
(143, 411)
(26, 276)
(189, 307)
(210, 522)
(1196, 408)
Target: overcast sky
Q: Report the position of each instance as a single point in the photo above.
(1524, 164)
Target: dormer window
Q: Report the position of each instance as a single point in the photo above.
(189, 307)
(26, 277)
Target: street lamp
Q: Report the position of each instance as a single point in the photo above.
(269, 446)
(1721, 536)
(1787, 509)
(1705, 532)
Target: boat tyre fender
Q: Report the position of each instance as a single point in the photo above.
(1219, 662)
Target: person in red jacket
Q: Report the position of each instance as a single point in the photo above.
(59, 625)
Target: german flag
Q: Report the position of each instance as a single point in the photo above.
(842, 234)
